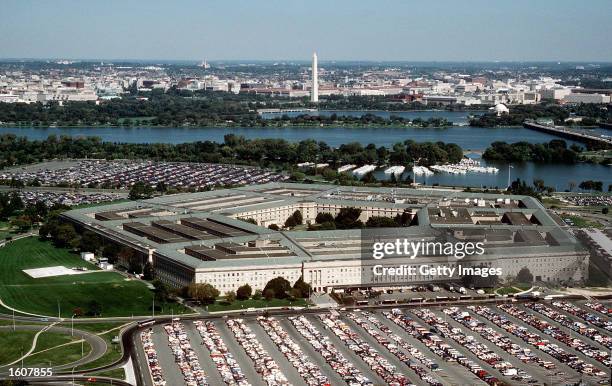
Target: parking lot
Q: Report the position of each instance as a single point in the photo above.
(122, 174)
(417, 294)
(539, 343)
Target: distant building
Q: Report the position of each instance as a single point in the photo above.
(500, 109)
(555, 93)
(586, 98)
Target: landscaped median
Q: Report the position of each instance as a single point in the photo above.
(221, 305)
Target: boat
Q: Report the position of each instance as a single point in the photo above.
(421, 170)
(395, 170)
(365, 169)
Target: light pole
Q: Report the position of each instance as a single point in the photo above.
(509, 167)
(72, 325)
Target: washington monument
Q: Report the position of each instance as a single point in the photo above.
(314, 91)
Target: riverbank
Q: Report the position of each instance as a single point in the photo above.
(236, 125)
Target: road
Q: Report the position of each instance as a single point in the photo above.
(98, 345)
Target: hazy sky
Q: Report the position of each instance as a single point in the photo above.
(444, 30)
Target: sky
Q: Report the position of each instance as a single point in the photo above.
(385, 30)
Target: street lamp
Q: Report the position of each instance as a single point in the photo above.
(509, 167)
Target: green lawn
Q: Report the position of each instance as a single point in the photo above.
(581, 222)
(507, 290)
(94, 328)
(113, 353)
(14, 344)
(114, 373)
(59, 355)
(94, 204)
(117, 296)
(250, 303)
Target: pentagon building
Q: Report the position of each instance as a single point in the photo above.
(203, 237)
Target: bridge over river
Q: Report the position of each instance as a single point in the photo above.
(574, 134)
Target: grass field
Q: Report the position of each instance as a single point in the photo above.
(58, 355)
(114, 373)
(13, 344)
(116, 295)
(113, 353)
(581, 222)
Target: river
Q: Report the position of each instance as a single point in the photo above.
(469, 138)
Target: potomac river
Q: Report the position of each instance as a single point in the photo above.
(469, 138)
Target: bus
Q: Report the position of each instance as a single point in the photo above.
(146, 323)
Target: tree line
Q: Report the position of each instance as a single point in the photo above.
(555, 151)
(234, 149)
(519, 113)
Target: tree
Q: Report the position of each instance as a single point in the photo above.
(478, 281)
(274, 227)
(524, 276)
(303, 289)
(258, 294)
(111, 251)
(348, 218)
(369, 178)
(591, 185)
(605, 210)
(90, 242)
(244, 292)
(148, 273)
(381, 222)
(280, 286)
(297, 176)
(94, 308)
(140, 191)
(65, 236)
(230, 296)
(161, 292)
(324, 217)
(293, 220)
(298, 218)
(203, 292)
(22, 223)
(268, 294)
(161, 187)
(134, 262)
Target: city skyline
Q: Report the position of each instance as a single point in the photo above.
(400, 31)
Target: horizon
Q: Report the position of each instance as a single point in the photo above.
(295, 61)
